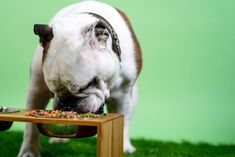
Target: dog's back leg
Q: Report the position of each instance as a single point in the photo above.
(38, 97)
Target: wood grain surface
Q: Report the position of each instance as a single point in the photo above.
(21, 117)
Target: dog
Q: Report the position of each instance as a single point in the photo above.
(88, 56)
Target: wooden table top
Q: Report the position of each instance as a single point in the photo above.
(21, 117)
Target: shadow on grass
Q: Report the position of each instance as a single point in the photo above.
(11, 141)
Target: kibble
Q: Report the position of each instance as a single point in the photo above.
(61, 114)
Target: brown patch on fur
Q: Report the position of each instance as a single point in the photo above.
(138, 55)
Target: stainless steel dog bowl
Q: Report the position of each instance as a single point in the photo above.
(66, 130)
(5, 125)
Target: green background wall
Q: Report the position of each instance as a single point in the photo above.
(187, 85)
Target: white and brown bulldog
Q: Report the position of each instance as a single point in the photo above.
(88, 55)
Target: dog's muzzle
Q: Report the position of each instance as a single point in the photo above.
(77, 104)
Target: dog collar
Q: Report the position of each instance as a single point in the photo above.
(115, 41)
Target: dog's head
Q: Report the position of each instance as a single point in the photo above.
(79, 61)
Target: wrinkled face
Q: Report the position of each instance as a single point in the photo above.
(78, 62)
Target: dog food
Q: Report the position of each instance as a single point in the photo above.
(61, 114)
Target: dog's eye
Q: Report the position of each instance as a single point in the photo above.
(87, 29)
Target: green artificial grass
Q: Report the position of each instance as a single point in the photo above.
(10, 144)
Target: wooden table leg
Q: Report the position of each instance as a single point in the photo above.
(110, 138)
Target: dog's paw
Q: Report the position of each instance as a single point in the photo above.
(58, 140)
(28, 152)
(128, 148)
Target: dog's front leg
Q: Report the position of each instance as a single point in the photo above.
(124, 101)
(38, 97)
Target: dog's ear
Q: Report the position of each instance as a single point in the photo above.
(44, 32)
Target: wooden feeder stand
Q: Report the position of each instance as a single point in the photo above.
(109, 129)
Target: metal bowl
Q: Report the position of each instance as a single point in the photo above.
(66, 130)
(5, 125)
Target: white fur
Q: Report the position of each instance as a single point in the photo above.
(110, 14)
(80, 61)
(74, 58)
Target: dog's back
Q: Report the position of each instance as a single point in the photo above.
(131, 61)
